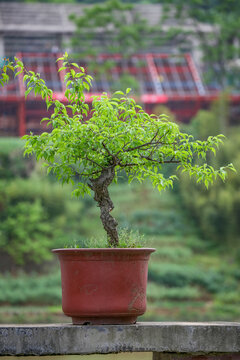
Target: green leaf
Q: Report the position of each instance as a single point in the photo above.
(19, 72)
(28, 91)
(119, 92)
(19, 63)
(76, 65)
(25, 77)
(62, 68)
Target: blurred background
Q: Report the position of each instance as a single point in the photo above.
(179, 59)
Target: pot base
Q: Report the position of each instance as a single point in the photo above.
(124, 320)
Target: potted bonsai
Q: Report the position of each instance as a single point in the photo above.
(88, 147)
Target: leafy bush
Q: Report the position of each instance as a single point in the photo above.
(12, 163)
(175, 275)
(154, 222)
(25, 232)
(35, 216)
(156, 292)
(228, 298)
(33, 289)
(174, 253)
(217, 210)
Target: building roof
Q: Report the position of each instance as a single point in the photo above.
(160, 76)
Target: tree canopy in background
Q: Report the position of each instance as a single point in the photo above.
(123, 34)
(216, 211)
(110, 28)
(73, 1)
(220, 44)
(214, 29)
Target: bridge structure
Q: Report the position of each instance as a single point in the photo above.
(166, 340)
(168, 80)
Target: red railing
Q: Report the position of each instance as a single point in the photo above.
(164, 79)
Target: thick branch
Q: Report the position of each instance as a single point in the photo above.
(101, 196)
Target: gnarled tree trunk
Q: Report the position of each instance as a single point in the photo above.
(101, 195)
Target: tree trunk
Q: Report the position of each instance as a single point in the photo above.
(101, 195)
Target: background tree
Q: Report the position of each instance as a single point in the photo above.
(216, 211)
(220, 44)
(112, 27)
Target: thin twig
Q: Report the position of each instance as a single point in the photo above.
(129, 142)
(94, 162)
(84, 174)
(160, 162)
(143, 145)
(110, 154)
(127, 165)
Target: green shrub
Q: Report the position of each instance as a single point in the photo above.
(12, 163)
(26, 289)
(176, 275)
(25, 232)
(156, 292)
(35, 216)
(228, 298)
(155, 222)
(217, 210)
(174, 253)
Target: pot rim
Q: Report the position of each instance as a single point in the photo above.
(61, 250)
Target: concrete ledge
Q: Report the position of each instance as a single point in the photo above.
(170, 337)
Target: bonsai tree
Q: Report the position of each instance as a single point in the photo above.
(88, 147)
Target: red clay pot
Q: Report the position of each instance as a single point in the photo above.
(104, 286)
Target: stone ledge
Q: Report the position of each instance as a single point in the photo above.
(170, 337)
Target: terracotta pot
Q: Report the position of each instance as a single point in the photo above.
(104, 286)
